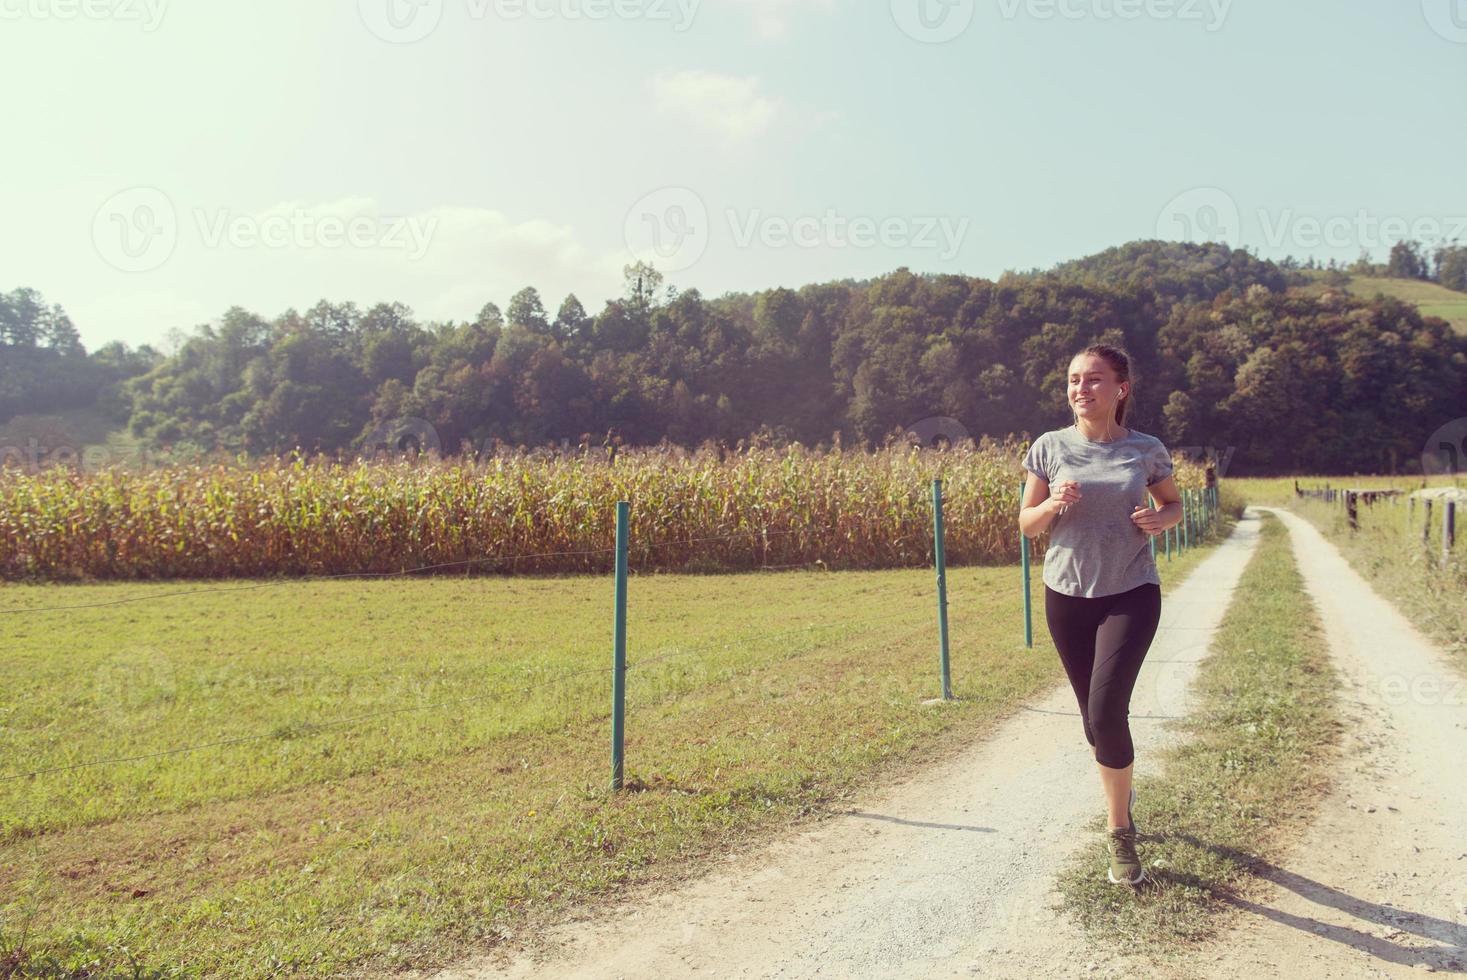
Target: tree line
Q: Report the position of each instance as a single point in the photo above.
(1224, 354)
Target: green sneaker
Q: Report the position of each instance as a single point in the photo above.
(1125, 866)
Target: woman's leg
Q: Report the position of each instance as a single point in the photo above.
(1072, 623)
(1122, 639)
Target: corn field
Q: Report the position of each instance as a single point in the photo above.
(517, 513)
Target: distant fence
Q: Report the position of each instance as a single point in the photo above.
(1350, 500)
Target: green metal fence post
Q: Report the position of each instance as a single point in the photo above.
(1151, 538)
(1024, 562)
(619, 655)
(941, 561)
(1449, 530)
(1186, 520)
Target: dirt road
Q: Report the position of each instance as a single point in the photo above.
(1378, 885)
(950, 873)
(947, 874)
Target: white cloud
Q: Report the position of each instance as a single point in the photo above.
(445, 263)
(138, 317)
(728, 107)
(478, 255)
(772, 17)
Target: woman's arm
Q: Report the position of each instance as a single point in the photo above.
(1169, 514)
(1038, 508)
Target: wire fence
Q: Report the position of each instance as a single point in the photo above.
(707, 694)
(518, 682)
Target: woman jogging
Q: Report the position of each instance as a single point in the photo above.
(1087, 485)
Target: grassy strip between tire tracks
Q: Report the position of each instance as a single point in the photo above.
(1231, 797)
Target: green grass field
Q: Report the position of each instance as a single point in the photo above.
(407, 768)
(1431, 299)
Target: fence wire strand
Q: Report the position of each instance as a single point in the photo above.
(315, 728)
(538, 685)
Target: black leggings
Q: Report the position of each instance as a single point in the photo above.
(1101, 641)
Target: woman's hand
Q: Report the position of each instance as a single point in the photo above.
(1063, 493)
(1147, 519)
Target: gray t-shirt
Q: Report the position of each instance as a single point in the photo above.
(1095, 549)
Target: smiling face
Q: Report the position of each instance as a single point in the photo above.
(1093, 389)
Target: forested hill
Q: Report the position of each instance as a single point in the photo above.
(1224, 355)
(1177, 272)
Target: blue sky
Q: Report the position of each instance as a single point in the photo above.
(171, 158)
